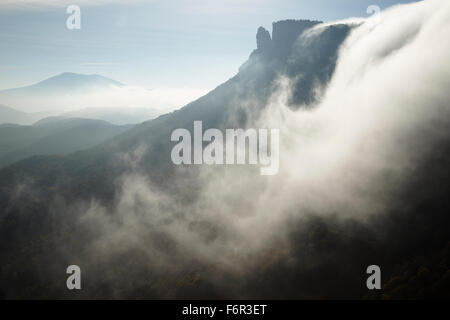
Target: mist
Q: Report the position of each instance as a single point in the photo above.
(113, 97)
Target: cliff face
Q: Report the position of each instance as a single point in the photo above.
(286, 32)
(284, 35)
(263, 42)
(307, 59)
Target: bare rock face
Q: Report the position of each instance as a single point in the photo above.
(263, 42)
(286, 32)
(284, 35)
(308, 61)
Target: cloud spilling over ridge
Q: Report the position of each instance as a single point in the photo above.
(382, 112)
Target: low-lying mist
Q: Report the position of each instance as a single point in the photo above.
(124, 97)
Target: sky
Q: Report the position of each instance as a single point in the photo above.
(153, 44)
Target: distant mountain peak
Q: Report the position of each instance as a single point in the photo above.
(77, 79)
(63, 84)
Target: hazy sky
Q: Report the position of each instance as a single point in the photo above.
(153, 44)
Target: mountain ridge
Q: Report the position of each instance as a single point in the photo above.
(69, 81)
(53, 136)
